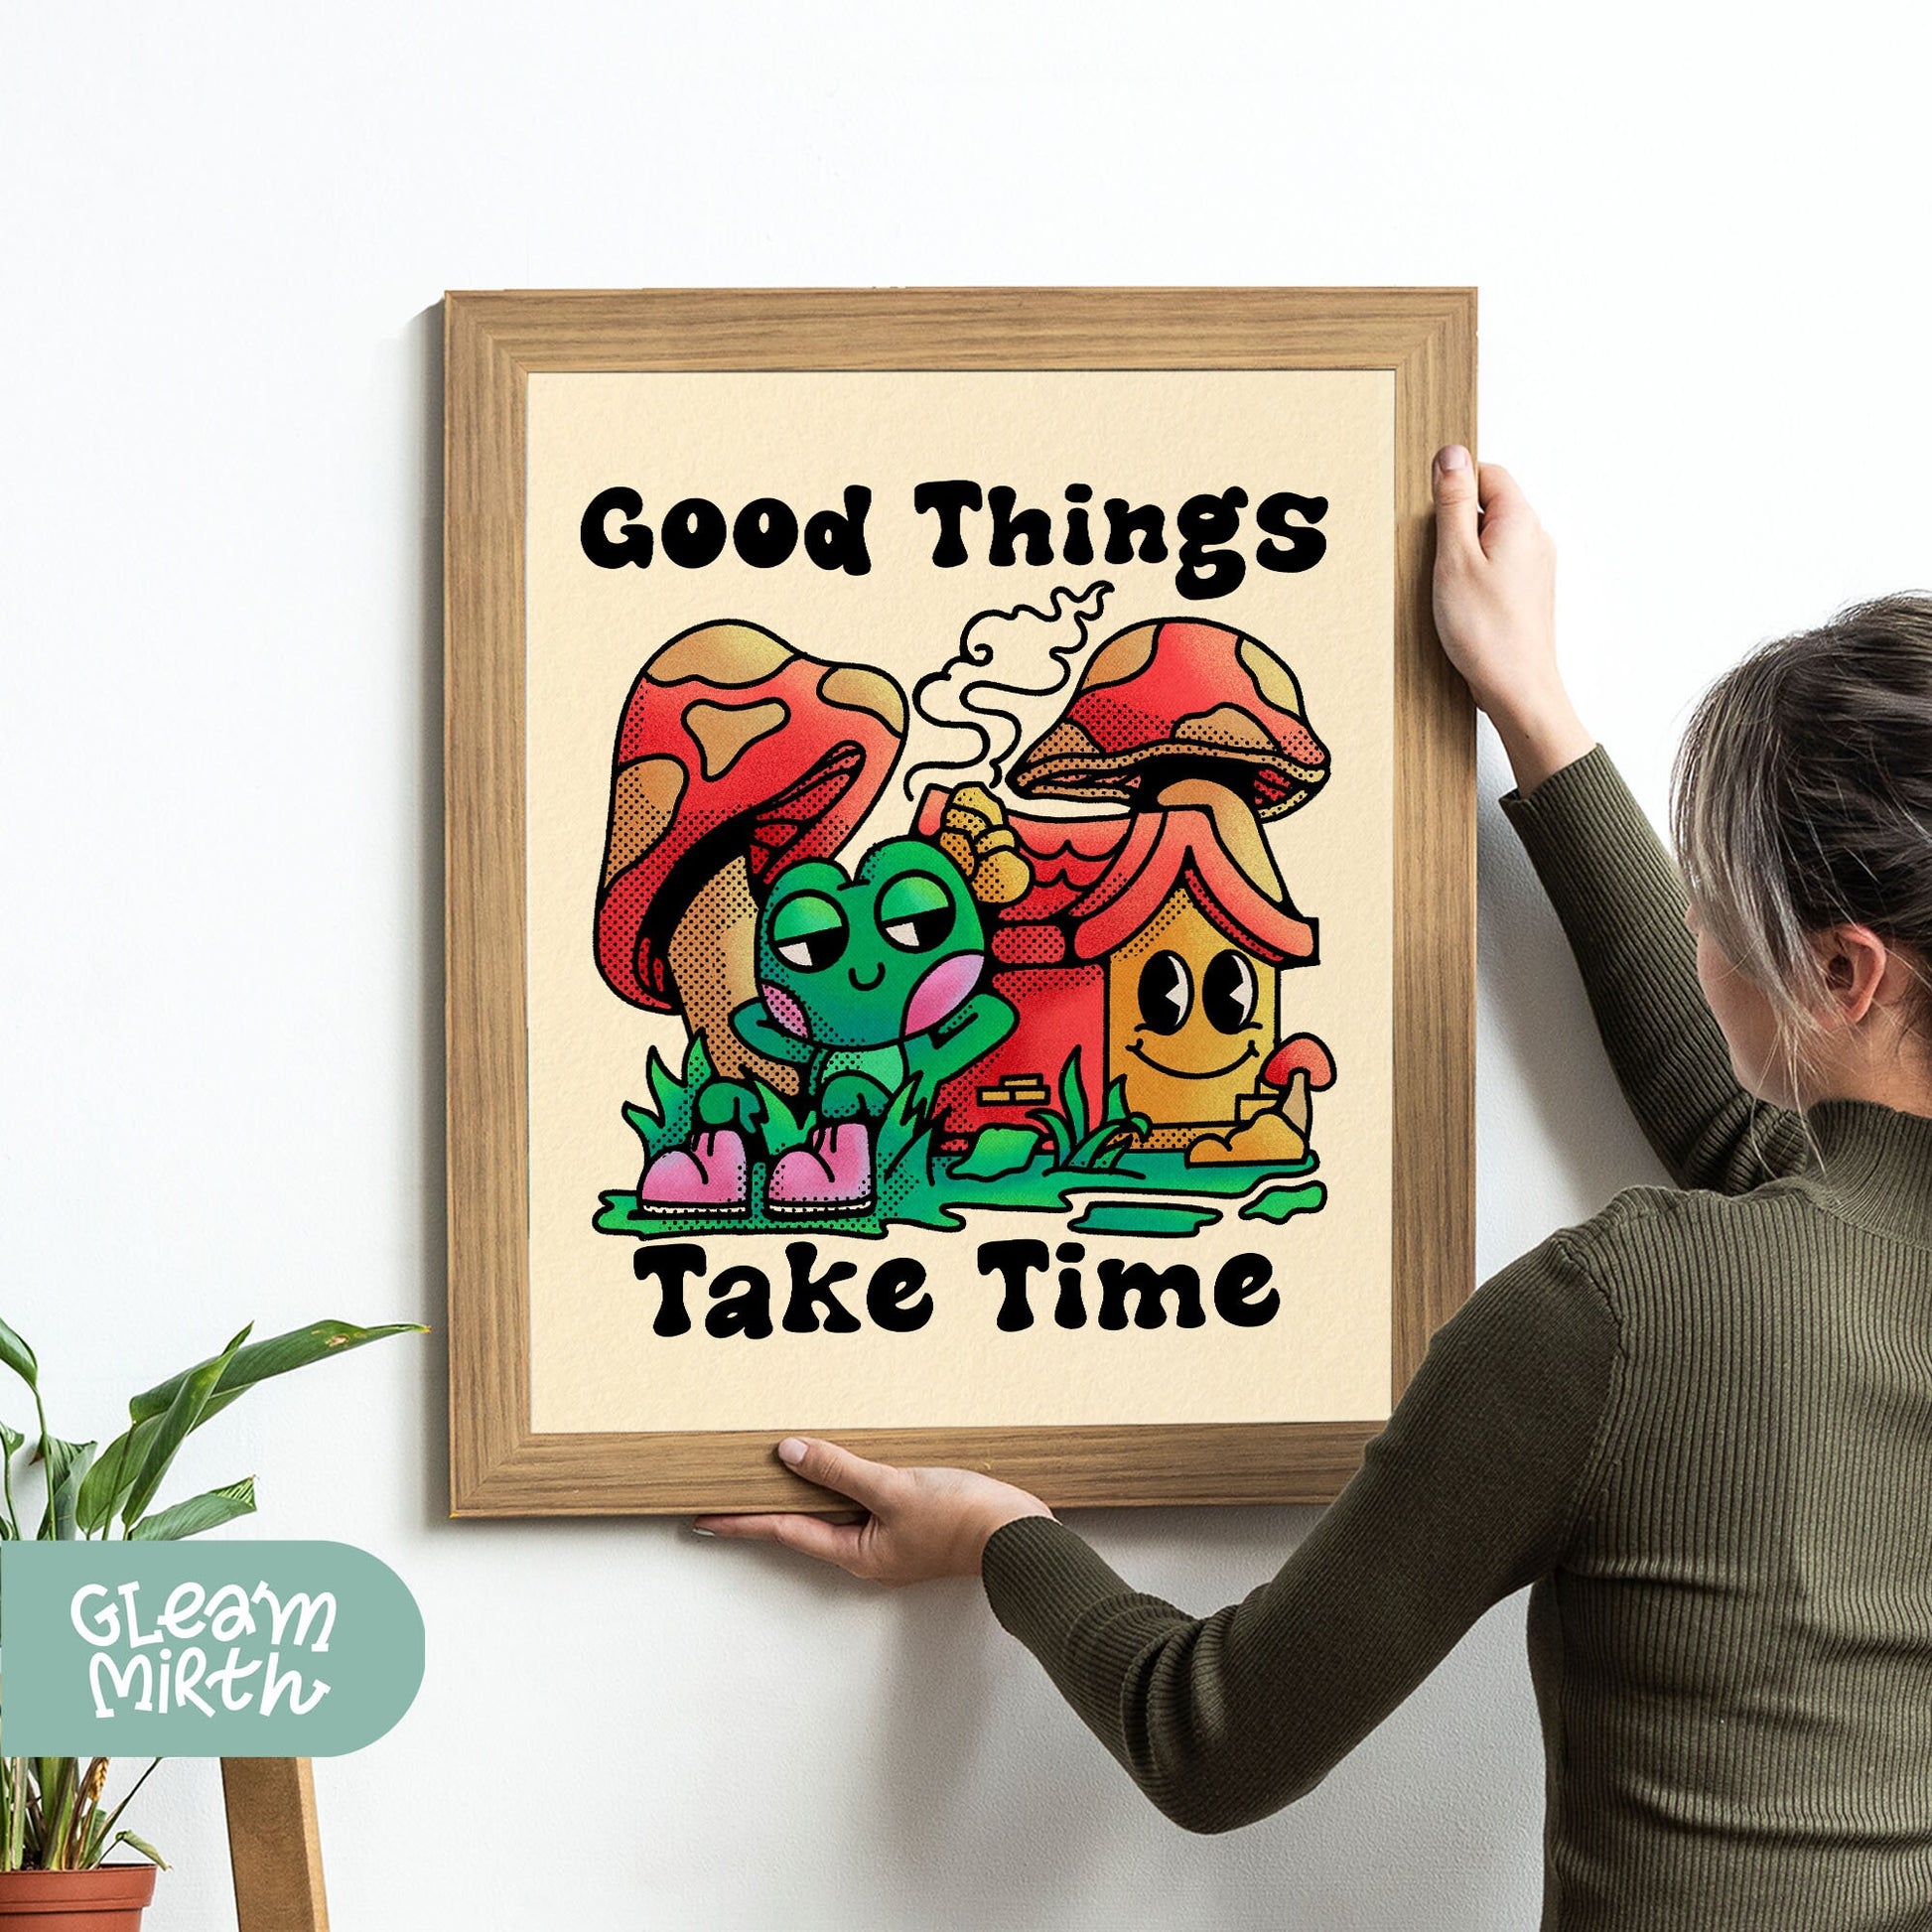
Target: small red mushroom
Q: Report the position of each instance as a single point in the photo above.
(1300, 1064)
(735, 754)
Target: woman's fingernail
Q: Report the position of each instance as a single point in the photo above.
(791, 1451)
(697, 1531)
(1455, 457)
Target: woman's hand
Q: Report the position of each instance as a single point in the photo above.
(1495, 613)
(922, 1523)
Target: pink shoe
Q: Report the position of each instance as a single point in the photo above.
(709, 1179)
(830, 1175)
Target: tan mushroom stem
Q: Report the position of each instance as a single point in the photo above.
(1234, 820)
(713, 957)
(1296, 1104)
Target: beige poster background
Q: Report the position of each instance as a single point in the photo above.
(1153, 437)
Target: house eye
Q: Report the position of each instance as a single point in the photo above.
(1166, 993)
(1229, 992)
(808, 932)
(915, 913)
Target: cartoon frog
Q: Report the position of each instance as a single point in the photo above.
(866, 982)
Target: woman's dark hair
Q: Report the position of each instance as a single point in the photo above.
(1801, 799)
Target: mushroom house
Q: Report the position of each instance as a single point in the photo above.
(1155, 935)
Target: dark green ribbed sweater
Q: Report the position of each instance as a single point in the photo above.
(1699, 1427)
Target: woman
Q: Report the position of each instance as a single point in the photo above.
(1699, 1425)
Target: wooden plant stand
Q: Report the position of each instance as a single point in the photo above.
(274, 1844)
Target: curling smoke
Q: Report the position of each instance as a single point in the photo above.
(1000, 689)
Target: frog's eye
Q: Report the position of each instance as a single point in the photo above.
(808, 932)
(915, 913)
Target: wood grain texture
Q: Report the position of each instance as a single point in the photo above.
(493, 341)
(482, 763)
(274, 1844)
(1436, 862)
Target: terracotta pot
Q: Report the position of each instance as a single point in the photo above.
(109, 1899)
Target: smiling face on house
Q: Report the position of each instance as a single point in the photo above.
(1190, 1017)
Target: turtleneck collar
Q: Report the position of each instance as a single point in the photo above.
(1877, 1164)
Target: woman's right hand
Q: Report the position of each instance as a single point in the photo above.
(1495, 613)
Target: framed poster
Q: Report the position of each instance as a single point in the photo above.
(960, 871)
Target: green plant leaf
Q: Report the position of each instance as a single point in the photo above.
(894, 1130)
(673, 1092)
(781, 1128)
(105, 1485)
(59, 1779)
(1073, 1097)
(133, 1791)
(67, 1466)
(905, 1147)
(1089, 1151)
(665, 1091)
(208, 1511)
(16, 1356)
(1056, 1130)
(698, 1069)
(12, 1442)
(142, 1846)
(671, 1095)
(1131, 1128)
(182, 1413)
(262, 1359)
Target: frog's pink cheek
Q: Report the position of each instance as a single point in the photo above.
(785, 1011)
(943, 991)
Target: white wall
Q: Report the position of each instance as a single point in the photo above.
(1700, 240)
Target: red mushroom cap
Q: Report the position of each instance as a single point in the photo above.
(1162, 699)
(732, 745)
(1300, 1053)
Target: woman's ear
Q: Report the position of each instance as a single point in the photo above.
(1859, 969)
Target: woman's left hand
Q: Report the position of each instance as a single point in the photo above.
(922, 1523)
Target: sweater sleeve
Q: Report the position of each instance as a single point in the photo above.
(1620, 900)
(1473, 1489)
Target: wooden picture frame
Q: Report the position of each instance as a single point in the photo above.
(494, 341)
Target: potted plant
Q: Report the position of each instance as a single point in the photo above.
(58, 1830)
